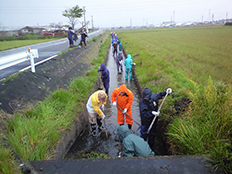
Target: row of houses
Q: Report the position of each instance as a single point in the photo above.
(18, 31)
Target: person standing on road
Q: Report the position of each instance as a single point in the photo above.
(70, 38)
(96, 100)
(119, 62)
(83, 37)
(123, 98)
(148, 107)
(133, 145)
(128, 62)
(105, 77)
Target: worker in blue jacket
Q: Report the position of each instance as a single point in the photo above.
(105, 77)
(119, 62)
(148, 107)
(70, 38)
(128, 62)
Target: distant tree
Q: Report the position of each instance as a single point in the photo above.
(73, 14)
(58, 25)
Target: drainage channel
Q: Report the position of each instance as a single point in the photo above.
(100, 144)
(163, 162)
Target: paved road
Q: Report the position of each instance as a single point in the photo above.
(46, 50)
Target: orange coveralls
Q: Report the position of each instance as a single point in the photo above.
(124, 98)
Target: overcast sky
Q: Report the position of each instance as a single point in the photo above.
(113, 13)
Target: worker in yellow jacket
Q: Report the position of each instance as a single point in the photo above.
(96, 101)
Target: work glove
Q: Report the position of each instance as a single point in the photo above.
(155, 113)
(124, 111)
(114, 103)
(103, 107)
(103, 117)
(169, 90)
(134, 64)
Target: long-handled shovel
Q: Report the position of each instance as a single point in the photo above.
(153, 121)
(104, 122)
(129, 116)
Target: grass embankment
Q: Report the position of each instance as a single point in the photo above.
(195, 63)
(15, 42)
(35, 131)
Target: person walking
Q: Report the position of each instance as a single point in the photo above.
(122, 98)
(115, 47)
(83, 37)
(148, 107)
(119, 62)
(128, 62)
(96, 100)
(119, 45)
(105, 77)
(70, 37)
(133, 145)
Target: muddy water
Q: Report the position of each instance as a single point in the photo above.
(100, 143)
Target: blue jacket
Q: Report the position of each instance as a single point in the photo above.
(128, 62)
(133, 145)
(147, 106)
(119, 58)
(70, 33)
(105, 75)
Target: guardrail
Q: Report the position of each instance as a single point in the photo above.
(13, 59)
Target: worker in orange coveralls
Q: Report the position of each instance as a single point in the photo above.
(123, 98)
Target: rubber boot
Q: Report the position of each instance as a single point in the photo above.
(99, 123)
(94, 129)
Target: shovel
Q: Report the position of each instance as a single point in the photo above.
(129, 116)
(153, 121)
(104, 122)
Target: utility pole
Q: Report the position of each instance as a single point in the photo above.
(131, 22)
(226, 16)
(92, 22)
(84, 18)
(202, 19)
(212, 17)
(174, 16)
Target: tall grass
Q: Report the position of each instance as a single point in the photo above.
(207, 126)
(7, 163)
(185, 59)
(34, 132)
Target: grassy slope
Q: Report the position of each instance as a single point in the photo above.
(36, 130)
(183, 59)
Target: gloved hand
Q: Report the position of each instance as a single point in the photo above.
(134, 63)
(103, 117)
(114, 103)
(155, 113)
(103, 107)
(169, 90)
(120, 62)
(124, 111)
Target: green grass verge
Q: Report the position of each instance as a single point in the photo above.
(185, 59)
(5, 45)
(34, 132)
